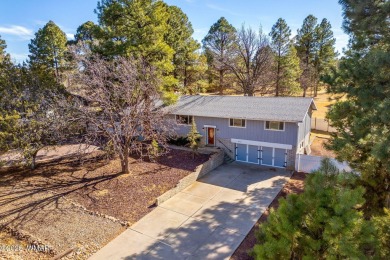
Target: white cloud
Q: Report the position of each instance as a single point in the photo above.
(221, 9)
(70, 36)
(16, 30)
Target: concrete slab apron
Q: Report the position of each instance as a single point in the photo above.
(207, 220)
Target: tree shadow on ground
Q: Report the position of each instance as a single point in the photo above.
(216, 230)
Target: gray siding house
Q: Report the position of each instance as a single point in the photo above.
(259, 130)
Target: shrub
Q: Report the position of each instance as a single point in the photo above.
(322, 222)
(179, 141)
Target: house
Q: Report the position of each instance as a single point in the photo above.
(260, 130)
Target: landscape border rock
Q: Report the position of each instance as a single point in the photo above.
(29, 239)
(215, 160)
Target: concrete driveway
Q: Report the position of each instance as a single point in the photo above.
(207, 220)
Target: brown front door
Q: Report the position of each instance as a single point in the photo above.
(211, 136)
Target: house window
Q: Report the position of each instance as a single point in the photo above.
(274, 125)
(183, 120)
(234, 122)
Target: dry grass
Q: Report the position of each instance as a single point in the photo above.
(324, 102)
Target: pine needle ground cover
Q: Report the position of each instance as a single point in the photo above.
(54, 203)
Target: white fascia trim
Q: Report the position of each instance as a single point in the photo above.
(209, 126)
(266, 144)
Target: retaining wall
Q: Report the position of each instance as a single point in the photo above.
(215, 160)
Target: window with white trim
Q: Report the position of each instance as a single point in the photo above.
(235, 122)
(274, 125)
(183, 119)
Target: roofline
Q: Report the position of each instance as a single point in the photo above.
(313, 103)
(257, 119)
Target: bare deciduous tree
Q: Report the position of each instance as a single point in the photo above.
(122, 113)
(251, 61)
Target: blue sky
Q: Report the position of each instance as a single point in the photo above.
(20, 19)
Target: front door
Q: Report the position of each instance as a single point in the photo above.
(211, 136)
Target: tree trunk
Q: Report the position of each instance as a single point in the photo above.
(125, 164)
(221, 82)
(125, 160)
(33, 160)
(277, 78)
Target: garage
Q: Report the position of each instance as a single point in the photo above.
(262, 153)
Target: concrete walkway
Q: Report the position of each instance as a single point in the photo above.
(207, 220)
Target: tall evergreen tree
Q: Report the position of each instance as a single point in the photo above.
(88, 33)
(217, 43)
(179, 37)
(367, 21)
(290, 73)
(362, 119)
(306, 47)
(324, 222)
(137, 28)
(325, 56)
(287, 69)
(48, 50)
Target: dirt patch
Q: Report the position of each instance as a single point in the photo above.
(48, 153)
(76, 201)
(318, 148)
(294, 185)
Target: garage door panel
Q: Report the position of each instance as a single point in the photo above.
(280, 156)
(252, 153)
(241, 152)
(267, 155)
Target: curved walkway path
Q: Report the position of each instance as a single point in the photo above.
(207, 220)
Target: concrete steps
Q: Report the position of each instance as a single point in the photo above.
(227, 159)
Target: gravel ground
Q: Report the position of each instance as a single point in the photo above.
(56, 222)
(53, 203)
(17, 249)
(295, 185)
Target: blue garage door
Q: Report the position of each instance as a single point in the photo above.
(280, 157)
(241, 152)
(253, 154)
(267, 155)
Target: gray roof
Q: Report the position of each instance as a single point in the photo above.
(287, 109)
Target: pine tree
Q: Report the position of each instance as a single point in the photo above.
(179, 37)
(325, 56)
(194, 138)
(137, 28)
(287, 62)
(321, 223)
(362, 118)
(48, 50)
(217, 43)
(290, 72)
(306, 47)
(280, 43)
